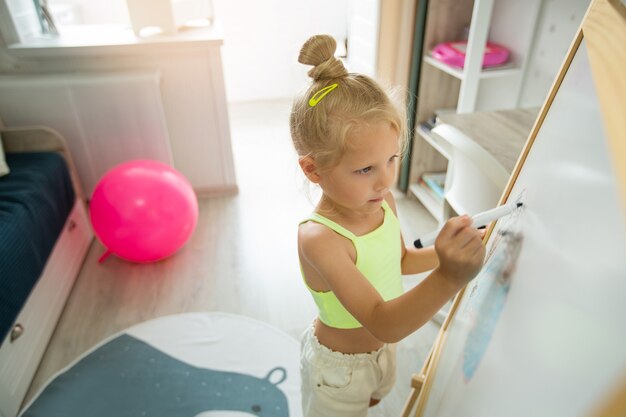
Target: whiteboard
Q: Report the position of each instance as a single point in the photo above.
(542, 330)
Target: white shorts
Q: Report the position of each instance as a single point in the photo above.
(336, 384)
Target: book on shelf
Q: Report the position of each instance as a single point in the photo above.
(434, 181)
(428, 125)
(429, 191)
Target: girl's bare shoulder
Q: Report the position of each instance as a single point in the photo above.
(318, 241)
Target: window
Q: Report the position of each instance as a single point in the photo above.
(67, 18)
(24, 19)
(89, 12)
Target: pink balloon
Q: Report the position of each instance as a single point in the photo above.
(143, 211)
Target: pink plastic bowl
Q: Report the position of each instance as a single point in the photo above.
(453, 54)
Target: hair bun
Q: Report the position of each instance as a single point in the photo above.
(319, 51)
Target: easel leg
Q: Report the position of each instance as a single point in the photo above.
(416, 385)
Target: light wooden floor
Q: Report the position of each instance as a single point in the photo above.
(241, 259)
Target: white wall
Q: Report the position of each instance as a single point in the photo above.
(262, 40)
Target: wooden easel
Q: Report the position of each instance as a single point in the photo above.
(418, 387)
(604, 31)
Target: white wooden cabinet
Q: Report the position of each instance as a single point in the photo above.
(188, 94)
(107, 118)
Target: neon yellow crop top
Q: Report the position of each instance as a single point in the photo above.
(378, 257)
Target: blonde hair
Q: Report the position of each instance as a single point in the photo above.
(321, 131)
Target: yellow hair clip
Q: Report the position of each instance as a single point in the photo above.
(317, 97)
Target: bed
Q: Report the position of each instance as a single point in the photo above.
(44, 237)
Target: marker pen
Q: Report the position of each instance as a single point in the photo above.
(479, 220)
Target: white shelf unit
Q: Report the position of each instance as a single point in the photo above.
(506, 23)
(506, 70)
(434, 206)
(472, 88)
(436, 142)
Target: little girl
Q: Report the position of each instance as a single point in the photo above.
(349, 138)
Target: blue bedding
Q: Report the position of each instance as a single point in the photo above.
(35, 200)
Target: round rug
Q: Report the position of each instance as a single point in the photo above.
(196, 364)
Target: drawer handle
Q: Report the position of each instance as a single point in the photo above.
(72, 225)
(17, 331)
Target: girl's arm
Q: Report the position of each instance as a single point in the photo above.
(414, 261)
(459, 249)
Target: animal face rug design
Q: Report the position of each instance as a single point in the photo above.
(130, 375)
(126, 376)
